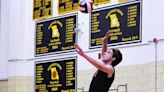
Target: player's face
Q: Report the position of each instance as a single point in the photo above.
(107, 56)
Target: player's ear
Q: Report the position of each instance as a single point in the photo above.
(113, 58)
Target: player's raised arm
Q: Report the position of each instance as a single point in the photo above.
(99, 65)
(93, 61)
(105, 42)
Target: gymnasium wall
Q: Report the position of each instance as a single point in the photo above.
(137, 78)
(17, 58)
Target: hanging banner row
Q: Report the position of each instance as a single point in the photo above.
(43, 8)
(56, 35)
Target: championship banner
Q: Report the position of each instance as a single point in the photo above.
(122, 20)
(122, 1)
(55, 35)
(42, 9)
(56, 75)
(98, 2)
(67, 6)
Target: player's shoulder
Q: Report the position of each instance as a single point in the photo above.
(111, 70)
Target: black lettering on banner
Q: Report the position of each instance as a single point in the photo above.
(67, 6)
(42, 9)
(122, 20)
(56, 75)
(55, 35)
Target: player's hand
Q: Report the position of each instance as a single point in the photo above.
(79, 50)
(106, 36)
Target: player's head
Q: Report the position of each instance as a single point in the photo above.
(118, 57)
(113, 55)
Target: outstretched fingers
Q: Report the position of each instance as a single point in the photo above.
(78, 49)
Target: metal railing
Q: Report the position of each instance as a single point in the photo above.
(80, 89)
(117, 89)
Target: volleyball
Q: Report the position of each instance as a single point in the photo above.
(86, 6)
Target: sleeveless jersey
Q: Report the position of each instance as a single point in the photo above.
(101, 82)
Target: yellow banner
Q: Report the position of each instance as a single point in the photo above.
(121, 1)
(98, 2)
(42, 9)
(67, 6)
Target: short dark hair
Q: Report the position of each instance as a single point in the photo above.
(118, 55)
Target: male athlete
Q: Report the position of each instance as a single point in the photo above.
(104, 76)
